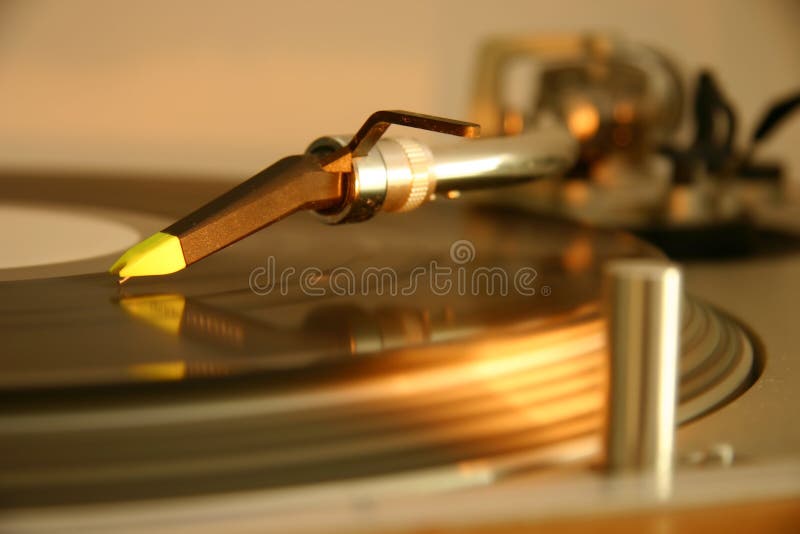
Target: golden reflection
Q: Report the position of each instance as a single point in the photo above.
(680, 203)
(532, 385)
(471, 468)
(159, 371)
(583, 120)
(164, 311)
(174, 314)
(578, 255)
(215, 325)
(513, 123)
(576, 193)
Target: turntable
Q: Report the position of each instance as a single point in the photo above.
(474, 365)
(209, 400)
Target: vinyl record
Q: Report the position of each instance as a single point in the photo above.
(451, 346)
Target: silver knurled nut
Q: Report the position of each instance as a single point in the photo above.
(423, 182)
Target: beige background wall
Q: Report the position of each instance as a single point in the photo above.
(226, 87)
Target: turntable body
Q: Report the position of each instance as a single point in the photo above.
(196, 402)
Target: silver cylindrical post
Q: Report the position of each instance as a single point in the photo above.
(643, 302)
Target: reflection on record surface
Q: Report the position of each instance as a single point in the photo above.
(452, 345)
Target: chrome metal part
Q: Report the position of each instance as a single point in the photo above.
(401, 174)
(643, 305)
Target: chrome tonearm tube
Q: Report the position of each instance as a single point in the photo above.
(401, 174)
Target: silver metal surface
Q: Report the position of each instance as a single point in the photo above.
(408, 195)
(643, 300)
(402, 174)
(366, 186)
(498, 57)
(499, 161)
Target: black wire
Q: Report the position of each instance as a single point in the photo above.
(775, 115)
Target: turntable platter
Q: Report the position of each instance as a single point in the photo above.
(239, 374)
